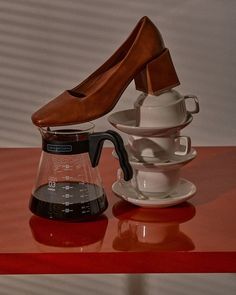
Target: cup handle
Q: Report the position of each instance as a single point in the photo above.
(187, 145)
(96, 141)
(196, 102)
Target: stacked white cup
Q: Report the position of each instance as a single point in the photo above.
(166, 110)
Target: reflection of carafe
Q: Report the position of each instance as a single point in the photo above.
(153, 229)
(68, 185)
(83, 237)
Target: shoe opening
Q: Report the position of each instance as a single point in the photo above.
(76, 94)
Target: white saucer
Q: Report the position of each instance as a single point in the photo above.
(125, 121)
(184, 191)
(146, 162)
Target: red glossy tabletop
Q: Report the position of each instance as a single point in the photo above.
(196, 236)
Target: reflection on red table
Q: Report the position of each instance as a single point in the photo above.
(196, 236)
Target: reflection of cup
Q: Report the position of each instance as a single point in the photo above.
(165, 110)
(147, 232)
(140, 229)
(155, 184)
(162, 148)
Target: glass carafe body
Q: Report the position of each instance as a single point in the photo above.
(67, 187)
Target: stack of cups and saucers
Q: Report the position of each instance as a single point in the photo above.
(157, 149)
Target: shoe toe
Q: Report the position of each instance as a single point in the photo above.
(59, 111)
(42, 119)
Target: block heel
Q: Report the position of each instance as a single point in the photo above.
(158, 75)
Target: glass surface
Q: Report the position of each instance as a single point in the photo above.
(67, 187)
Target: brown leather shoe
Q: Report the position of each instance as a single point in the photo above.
(142, 57)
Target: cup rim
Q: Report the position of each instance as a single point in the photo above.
(138, 106)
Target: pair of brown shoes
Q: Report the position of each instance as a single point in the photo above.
(142, 57)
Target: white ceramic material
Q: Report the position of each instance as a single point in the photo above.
(184, 191)
(147, 163)
(165, 110)
(163, 99)
(155, 184)
(162, 148)
(126, 122)
(156, 180)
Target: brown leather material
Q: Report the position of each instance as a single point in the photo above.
(158, 75)
(99, 93)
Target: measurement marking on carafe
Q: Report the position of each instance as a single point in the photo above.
(85, 209)
(67, 187)
(67, 196)
(84, 212)
(52, 184)
(51, 189)
(67, 210)
(67, 203)
(67, 167)
(82, 190)
(67, 177)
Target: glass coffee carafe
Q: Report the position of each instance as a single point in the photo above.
(68, 184)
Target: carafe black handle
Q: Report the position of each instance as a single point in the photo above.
(96, 141)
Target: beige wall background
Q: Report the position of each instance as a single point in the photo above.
(120, 284)
(49, 46)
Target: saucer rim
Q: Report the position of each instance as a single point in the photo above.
(159, 202)
(158, 164)
(146, 131)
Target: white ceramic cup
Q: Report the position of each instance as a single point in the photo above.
(166, 110)
(155, 184)
(161, 148)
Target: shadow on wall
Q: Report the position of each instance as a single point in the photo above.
(50, 46)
